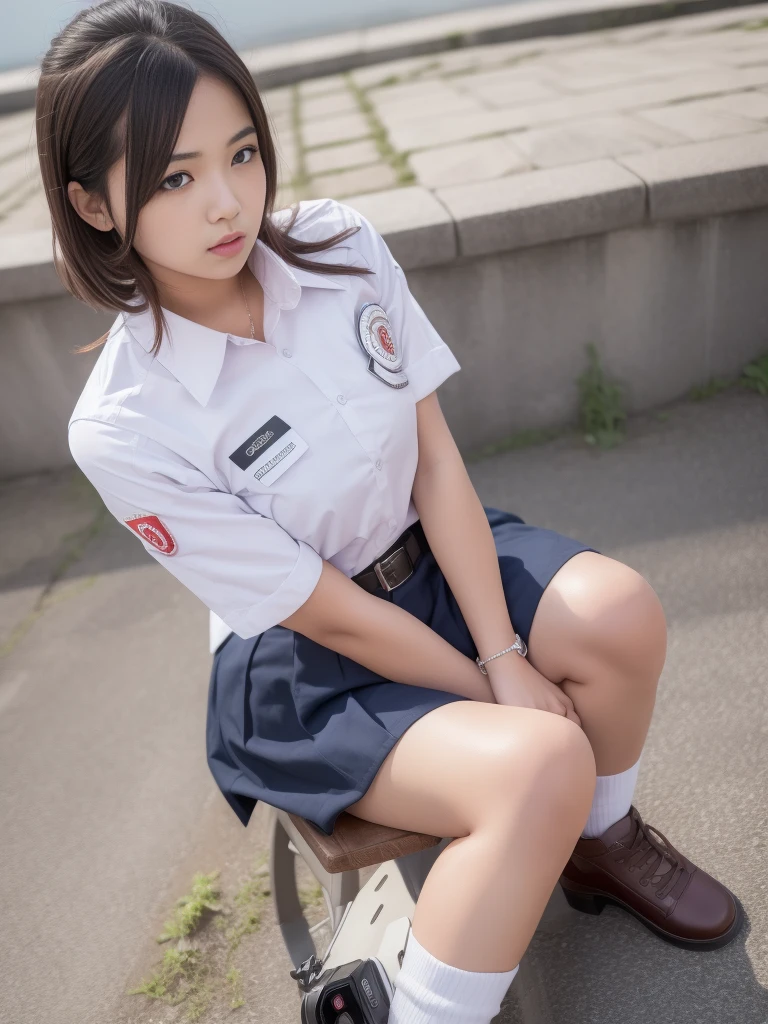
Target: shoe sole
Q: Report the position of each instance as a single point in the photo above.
(589, 901)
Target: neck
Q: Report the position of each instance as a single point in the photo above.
(201, 299)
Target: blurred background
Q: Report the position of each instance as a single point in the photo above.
(577, 191)
(246, 23)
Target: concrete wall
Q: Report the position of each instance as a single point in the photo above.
(668, 305)
(40, 378)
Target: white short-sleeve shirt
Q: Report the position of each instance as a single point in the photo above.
(242, 463)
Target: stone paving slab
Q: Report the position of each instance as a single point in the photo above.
(491, 112)
(704, 177)
(532, 208)
(291, 62)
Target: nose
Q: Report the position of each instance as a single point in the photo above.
(223, 203)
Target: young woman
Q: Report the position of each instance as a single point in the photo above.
(263, 416)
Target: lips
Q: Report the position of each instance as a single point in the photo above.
(228, 238)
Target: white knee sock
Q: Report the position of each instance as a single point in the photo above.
(428, 991)
(612, 799)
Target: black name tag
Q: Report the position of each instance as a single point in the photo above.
(258, 442)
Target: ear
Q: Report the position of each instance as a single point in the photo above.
(90, 208)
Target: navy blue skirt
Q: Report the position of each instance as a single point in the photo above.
(305, 728)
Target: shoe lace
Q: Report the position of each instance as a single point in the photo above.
(646, 851)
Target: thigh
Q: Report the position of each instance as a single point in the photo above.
(529, 558)
(457, 762)
(597, 611)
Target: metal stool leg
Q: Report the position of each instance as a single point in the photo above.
(290, 916)
(339, 888)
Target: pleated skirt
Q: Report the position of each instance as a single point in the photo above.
(305, 729)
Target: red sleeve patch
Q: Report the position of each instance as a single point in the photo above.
(153, 531)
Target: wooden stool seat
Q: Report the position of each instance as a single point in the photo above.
(357, 843)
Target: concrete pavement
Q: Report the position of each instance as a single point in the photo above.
(487, 112)
(107, 808)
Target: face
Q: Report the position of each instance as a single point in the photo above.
(216, 188)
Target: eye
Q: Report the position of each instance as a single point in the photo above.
(180, 174)
(173, 177)
(246, 149)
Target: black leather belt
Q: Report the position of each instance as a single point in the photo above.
(397, 563)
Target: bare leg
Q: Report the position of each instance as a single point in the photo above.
(513, 787)
(599, 632)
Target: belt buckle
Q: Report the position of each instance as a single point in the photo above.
(391, 562)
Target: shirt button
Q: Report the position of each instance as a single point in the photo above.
(287, 353)
(379, 463)
(340, 399)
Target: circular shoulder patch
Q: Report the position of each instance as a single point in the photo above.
(375, 334)
(151, 529)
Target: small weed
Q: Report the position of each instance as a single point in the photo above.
(710, 389)
(235, 981)
(178, 977)
(198, 1001)
(249, 903)
(601, 412)
(398, 161)
(455, 40)
(755, 375)
(755, 26)
(189, 909)
(195, 976)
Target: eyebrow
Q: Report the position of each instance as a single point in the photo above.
(248, 130)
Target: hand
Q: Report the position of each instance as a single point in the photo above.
(520, 685)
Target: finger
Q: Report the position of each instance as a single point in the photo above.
(571, 713)
(557, 707)
(570, 710)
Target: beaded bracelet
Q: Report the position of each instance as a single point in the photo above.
(519, 645)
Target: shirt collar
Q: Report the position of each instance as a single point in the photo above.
(194, 354)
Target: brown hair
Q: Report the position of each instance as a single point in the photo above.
(117, 80)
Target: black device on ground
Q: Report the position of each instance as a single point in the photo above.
(358, 992)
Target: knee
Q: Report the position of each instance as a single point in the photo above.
(623, 622)
(550, 768)
(633, 627)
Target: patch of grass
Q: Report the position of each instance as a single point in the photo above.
(759, 25)
(198, 974)
(385, 83)
(203, 896)
(755, 375)
(601, 412)
(713, 387)
(179, 977)
(403, 77)
(235, 981)
(398, 161)
(455, 40)
(249, 903)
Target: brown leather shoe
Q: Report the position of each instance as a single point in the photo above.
(634, 866)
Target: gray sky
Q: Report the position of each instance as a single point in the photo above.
(244, 23)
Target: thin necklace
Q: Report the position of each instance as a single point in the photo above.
(253, 329)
